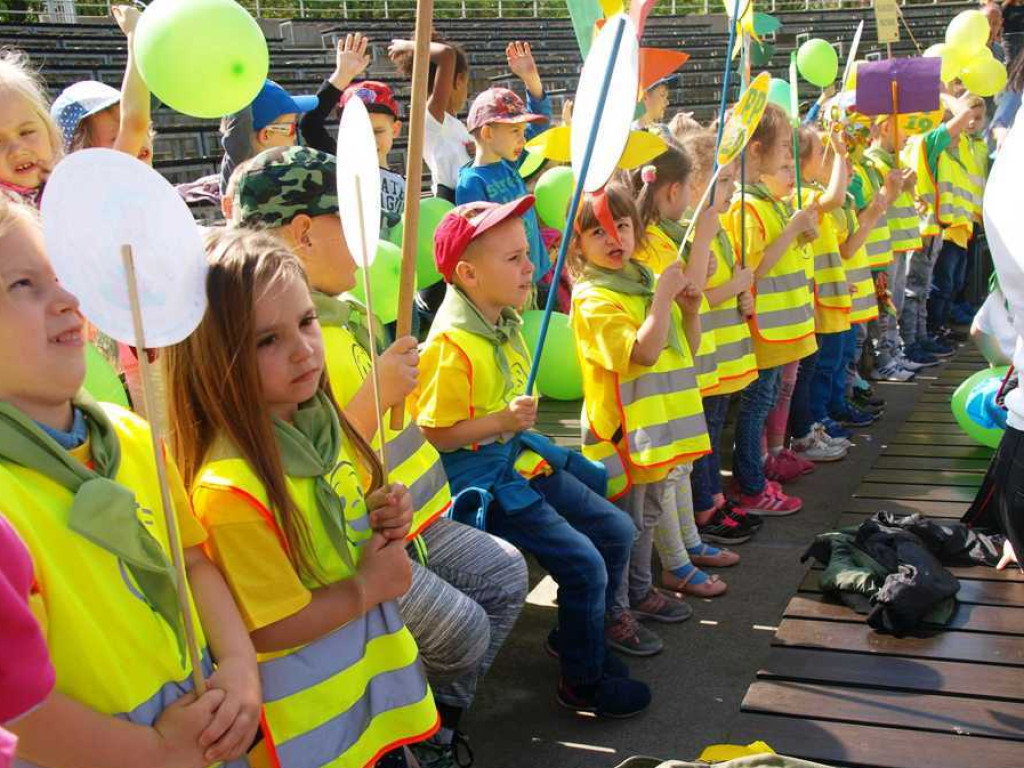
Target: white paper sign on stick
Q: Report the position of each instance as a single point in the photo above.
(98, 200)
(357, 158)
(614, 124)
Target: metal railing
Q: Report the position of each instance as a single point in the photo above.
(70, 11)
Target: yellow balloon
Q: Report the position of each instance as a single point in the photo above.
(968, 31)
(984, 76)
(952, 60)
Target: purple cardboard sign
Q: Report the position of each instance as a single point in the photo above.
(917, 80)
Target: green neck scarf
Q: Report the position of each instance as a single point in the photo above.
(103, 510)
(632, 280)
(351, 315)
(761, 192)
(457, 311)
(309, 447)
(720, 236)
(676, 230)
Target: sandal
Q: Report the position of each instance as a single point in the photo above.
(694, 582)
(712, 557)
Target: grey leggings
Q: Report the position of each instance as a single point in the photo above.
(462, 606)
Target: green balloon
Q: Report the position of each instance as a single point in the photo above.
(101, 380)
(385, 275)
(205, 58)
(432, 210)
(554, 191)
(779, 95)
(984, 435)
(818, 62)
(559, 376)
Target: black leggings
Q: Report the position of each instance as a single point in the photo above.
(999, 505)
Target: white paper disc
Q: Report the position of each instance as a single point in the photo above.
(357, 158)
(613, 131)
(98, 200)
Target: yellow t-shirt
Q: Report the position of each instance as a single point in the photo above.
(443, 397)
(769, 354)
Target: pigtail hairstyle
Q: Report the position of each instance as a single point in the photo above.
(670, 167)
(213, 382)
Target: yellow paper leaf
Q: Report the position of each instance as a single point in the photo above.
(721, 752)
(611, 7)
(553, 144)
(641, 148)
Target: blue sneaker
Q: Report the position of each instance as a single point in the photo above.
(917, 356)
(834, 429)
(852, 416)
(935, 347)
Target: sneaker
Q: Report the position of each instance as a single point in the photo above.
(608, 697)
(434, 753)
(822, 434)
(918, 356)
(723, 529)
(806, 467)
(782, 468)
(852, 416)
(814, 448)
(935, 347)
(771, 502)
(836, 430)
(867, 406)
(658, 606)
(746, 519)
(910, 365)
(626, 635)
(613, 666)
(951, 336)
(891, 372)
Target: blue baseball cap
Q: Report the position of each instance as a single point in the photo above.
(273, 101)
(77, 102)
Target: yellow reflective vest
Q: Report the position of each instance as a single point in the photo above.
(648, 417)
(901, 217)
(414, 462)
(863, 300)
(949, 189)
(915, 155)
(111, 651)
(734, 349)
(657, 252)
(878, 247)
(357, 692)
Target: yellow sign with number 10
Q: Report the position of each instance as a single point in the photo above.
(742, 123)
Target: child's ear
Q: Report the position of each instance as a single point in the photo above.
(466, 273)
(485, 133)
(299, 229)
(396, 128)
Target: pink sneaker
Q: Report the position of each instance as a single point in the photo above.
(771, 503)
(782, 468)
(806, 465)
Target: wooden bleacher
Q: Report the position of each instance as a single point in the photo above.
(836, 691)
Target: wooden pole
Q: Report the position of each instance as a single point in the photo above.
(156, 435)
(372, 321)
(896, 123)
(413, 180)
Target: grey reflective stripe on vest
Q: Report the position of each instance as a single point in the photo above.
(612, 463)
(706, 363)
(903, 212)
(858, 274)
(827, 260)
(403, 447)
(877, 247)
(867, 301)
(385, 692)
(782, 317)
(833, 290)
(905, 234)
(656, 383)
(720, 318)
(735, 350)
(781, 283)
(659, 435)
(330, 655)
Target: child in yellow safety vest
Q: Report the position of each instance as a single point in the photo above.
(471, 401)
(79, 486)
(663, 192)
(470, 586)
(823, 171)
(277, 475)
(767, 233)
(641, 402)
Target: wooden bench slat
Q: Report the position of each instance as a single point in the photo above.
(926, 507)
(883, 474)
(923, 448)
(909, 492)
(932, 463)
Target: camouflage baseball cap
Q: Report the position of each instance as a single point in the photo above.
(283, 182)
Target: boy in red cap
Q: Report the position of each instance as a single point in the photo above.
(501, 124)
(471, 402)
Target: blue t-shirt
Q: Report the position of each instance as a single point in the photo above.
(500, 182)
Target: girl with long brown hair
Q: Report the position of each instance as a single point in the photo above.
(277, 477)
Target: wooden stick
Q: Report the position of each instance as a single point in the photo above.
(896, 123)
(413, 180)
(371, 319)
(156, 435)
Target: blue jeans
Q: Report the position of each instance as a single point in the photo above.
(948, 266)
(755, 403)
(800, 418)
(583, 541)
(828, 387)
(706, 478)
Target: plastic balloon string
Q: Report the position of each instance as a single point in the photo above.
(574, 205)
(725, 83)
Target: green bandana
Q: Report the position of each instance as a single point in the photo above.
(720, 236)
(761, 192)
(309, 448)
(103, 510)
(457, 311)
(632, 280)
(351, 315)
(676, 230)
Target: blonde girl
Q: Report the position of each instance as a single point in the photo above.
(30, 144)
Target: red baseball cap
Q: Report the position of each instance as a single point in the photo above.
(462, 225)
(377, 97)
(499, 105)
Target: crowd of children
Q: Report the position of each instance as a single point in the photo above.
(347, 614)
